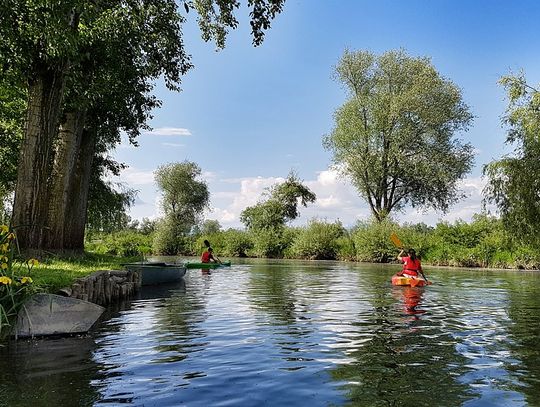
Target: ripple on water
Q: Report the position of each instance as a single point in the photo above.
(295, 333)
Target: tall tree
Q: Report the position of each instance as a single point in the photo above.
(12, 108)
(394, 136)
(184, 198)
(49, 44)
(514, 180)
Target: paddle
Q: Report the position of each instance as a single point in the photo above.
(395, 239)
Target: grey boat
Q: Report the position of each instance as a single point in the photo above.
(51, 314)
(157, 273)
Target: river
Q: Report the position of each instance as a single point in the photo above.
(293, 333)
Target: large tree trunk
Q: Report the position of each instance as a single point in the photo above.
(67, 149)
(76, 211)
(45, 94)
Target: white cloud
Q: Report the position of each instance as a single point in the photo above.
(168, 131)
(337, 199)
(133, 176)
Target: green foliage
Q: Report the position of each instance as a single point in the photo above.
(146, 226)
(15, 288)
(280, 207)
(126, 243)
(210, 226)
(346, 250)
(394, 135)
(217, 17)
(266, 220)
(12, 108)
(232, 242)
(318, 241)
(107, 206)
(169, 239)
(372, 241)
(268, 243)
(514, 181)
(184, 198)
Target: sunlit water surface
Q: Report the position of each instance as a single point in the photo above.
(297, 333)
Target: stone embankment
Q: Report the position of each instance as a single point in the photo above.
(105, 287)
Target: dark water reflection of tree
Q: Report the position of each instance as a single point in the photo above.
(48, 372)
(524, 340)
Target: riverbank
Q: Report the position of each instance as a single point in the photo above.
(484, 242)
(55, 273)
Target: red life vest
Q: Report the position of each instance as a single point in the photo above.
(205, 258)
(410, 266)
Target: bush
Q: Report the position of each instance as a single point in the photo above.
(125, 243)
(170, 240)
(372, 241)
(318, 241)
(236, 243)
(267, 243)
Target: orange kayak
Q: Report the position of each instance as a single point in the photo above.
(410, 281)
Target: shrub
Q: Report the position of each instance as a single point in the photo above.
(318, 241)
(267, 243)
(15, 288)
(126, 243)
(169, 240)
(372, 241)
(236, 243)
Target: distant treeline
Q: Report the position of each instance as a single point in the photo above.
(483, 242)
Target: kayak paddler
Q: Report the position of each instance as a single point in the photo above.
(412, 267)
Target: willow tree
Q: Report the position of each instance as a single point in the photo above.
(184, 198)
(51, 46)
(514, 180)
(394, 137)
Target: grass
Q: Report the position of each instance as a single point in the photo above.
(54, 273)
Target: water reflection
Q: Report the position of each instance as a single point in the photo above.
(297, 333)
(48, 372)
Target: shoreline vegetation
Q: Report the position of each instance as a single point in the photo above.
(482, 243)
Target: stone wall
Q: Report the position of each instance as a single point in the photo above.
(105, 286)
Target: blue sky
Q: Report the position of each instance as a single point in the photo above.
(247, 116)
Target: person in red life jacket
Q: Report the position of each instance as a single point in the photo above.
(208, 257)
(411, 264)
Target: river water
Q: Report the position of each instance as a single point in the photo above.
(292, 333)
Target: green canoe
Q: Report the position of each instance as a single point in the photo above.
(199, 265)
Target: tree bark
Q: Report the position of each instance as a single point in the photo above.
(77, 204)
(67, 150)
(45, 92)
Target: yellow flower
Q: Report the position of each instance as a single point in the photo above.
(4, 266)
(5, 280)
(4, 247)
(11, 236)
(26, 280)
(33, 262)
(4, 228)
(3, 259)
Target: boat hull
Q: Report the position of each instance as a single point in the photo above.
(408, 281)
(50, 314)
(199, 265)
(158, 273)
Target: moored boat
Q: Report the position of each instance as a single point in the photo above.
(51, 314)
(157, 273)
